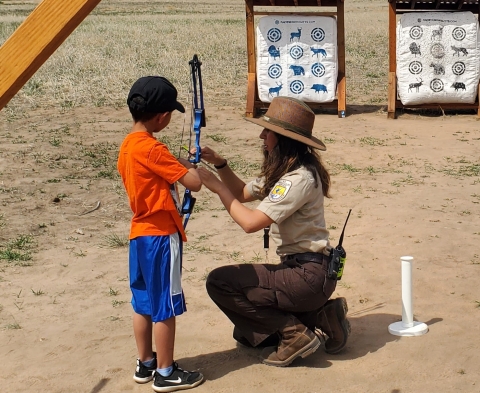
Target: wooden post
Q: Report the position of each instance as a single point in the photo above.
(252, 67)
(341, 83)
(478, 101)
(44, 30)
(392, 51)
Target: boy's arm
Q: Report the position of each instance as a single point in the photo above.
(191, 179)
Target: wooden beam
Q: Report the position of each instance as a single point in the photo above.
(251, 65)
(392, 92)
(304, 13)
(34, 41)
(341, 82)
(392, 53)
(478, 102)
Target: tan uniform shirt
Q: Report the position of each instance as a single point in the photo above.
(297, 209)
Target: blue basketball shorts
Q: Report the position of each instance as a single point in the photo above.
(155, 264)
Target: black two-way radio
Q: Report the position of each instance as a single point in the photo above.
(338, 256)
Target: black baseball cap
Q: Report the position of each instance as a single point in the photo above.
(153, 94)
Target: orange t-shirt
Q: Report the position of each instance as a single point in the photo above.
(149, 172)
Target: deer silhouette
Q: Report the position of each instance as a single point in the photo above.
(437, 33)
(274, 90)
(296, 34)
(415, 85)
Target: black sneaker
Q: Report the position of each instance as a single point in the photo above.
(144, 374)
(178, 380)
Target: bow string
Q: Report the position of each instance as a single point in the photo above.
(198, 121)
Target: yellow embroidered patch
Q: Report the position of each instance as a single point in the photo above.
(280, 190)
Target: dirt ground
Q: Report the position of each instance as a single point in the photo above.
(413, 185)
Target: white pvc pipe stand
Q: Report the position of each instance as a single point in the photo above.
(407, 327)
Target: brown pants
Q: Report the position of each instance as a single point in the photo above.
(261, 299)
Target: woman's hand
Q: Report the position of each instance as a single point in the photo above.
(211, 156)
(209, 180)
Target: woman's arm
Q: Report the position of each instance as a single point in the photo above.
(229, 178)
(249, 220)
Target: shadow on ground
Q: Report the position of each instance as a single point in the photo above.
(369, 334)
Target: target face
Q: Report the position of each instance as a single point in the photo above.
(274, 35)
(459, 33)
(436, 85)
(437, 51)
(274, 71)
(296, 87)
(458, 68)
(415, 67)
(296, 52)
(318, 69)
(416, 32)
(318, 34)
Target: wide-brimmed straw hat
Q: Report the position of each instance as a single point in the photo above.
(292, 118)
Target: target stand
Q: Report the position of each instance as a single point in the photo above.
(294, 7)
(397, 7)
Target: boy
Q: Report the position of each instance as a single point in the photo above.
(149, 172)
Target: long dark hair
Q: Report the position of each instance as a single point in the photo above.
(287, 156)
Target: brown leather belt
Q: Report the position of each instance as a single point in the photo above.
(305, 257)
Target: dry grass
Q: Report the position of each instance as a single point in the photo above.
(122, 40)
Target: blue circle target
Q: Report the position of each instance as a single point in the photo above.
(296, 52)
(274, 35)
(274, 71)
(318, 69)
(318, 34)
(296, 87)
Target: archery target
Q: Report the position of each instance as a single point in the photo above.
(296, 52)
(436, 85)
(437, 51)
(297, 57)
(459, 33)
(318, 69)
(416, 32)
(415, 67)
(318, 35)
(458, 68)
(438, 57)
(274, 71)
(296, 87)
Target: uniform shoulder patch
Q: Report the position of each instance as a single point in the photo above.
(280, 190)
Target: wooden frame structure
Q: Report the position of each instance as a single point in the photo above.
(35, 40)
(397, 7)
(253, 101)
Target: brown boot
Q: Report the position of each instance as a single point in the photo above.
(331, 319)
(297, 340)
